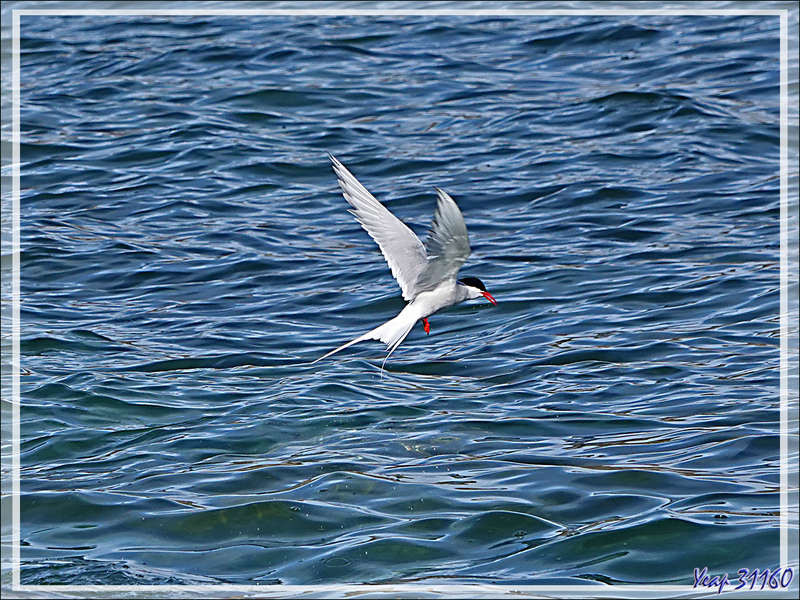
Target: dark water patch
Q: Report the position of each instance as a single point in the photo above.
(212, 362)
(600, 32)
(93, 344)
(597, 552)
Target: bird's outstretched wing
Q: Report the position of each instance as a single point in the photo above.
(447, 246)
(400, 246)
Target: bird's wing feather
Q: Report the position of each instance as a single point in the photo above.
(400, 246)
(447, 246)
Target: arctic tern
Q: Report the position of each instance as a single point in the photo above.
(426, 273)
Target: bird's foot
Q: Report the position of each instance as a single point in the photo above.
(427, 326)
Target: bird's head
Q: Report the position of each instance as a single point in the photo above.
(476, 289)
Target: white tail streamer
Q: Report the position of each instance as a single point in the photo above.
(391, 333)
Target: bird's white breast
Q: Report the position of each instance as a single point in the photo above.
(445, 294)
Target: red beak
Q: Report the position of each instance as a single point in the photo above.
(488, 296)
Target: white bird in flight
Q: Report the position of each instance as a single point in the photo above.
(426, 273)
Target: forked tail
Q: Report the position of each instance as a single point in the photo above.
(391, 333)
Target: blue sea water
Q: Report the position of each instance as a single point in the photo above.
(186, 254)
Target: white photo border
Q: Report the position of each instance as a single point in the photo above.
(788, 320)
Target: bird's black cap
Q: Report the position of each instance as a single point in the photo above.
(473, 282)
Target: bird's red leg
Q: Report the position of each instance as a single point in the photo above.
(426, 325)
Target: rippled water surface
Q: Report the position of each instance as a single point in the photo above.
(186, 254)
